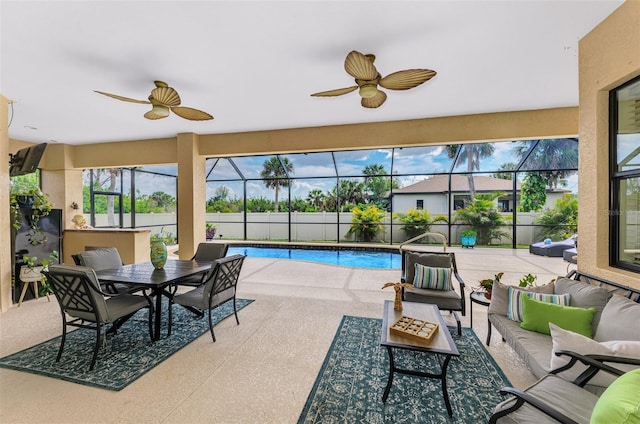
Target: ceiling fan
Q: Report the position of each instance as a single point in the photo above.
(360, 66)
(164, 98)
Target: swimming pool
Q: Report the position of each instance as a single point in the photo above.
(343, 257)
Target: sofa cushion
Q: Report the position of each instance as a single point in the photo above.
(620, 320)
(515, 296)
(500, 299)
(434, 278)
(568, 340)
(534, 348)
(620, 403)
(583, 295)
(537, 315)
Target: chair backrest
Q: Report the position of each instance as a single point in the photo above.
(223, 275)
(209, 252)
(432, 259)
(78, 291)
(99, 259)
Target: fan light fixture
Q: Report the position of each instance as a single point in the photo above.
(368, 91)
(161, 111)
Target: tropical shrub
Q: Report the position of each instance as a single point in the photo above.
(366, 223)
(561, 221)
(484, 217)
(416, 222)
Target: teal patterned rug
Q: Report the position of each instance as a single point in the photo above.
(350, 384)
(128, 355)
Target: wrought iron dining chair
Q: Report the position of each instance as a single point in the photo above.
(219, 287)
(432, 275)
(206, 252)
(101, 258)
(83, 304)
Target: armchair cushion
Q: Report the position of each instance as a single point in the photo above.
(434, 278)
(537, 315)
(620, 403)
(516, 296)
(568, 340)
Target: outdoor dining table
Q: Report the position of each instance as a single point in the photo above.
(145, 275)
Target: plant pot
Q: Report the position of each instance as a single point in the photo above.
(468, 241)
(158, 254)
(487, 293)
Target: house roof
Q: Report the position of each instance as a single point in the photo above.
(459, 183)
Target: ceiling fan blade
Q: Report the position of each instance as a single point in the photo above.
(375, 101)
(166, 96)
(191, 114)
(360, 66)
(404, 80)
(125, 99)
(337, 92)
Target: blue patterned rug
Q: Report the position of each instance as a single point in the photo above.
(127, 356)
(350, 384)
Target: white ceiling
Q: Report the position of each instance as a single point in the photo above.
(253, 65)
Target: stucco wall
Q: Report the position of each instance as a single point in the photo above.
(608, 56)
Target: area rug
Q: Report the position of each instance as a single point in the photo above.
(127, 356)
(352, 379)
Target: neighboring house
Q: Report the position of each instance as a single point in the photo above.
(432, 194)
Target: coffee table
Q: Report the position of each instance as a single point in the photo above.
(441, 345)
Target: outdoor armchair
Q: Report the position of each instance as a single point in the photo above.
(219, 287)
(554, 399)
(83, 304)
(434, 276)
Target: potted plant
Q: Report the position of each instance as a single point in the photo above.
(40, 207)
(210, 231)
(31, 270)
(468, 238)
(487, 284)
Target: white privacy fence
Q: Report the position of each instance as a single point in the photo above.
(310, 226)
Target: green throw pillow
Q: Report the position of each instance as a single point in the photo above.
(536, 316)
(620, 403)
(427, 277)
(515, 296)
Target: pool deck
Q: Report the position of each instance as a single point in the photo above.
(273, 356)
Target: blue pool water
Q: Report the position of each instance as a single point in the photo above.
(342, 257)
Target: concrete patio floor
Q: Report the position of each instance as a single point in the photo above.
(259, 371)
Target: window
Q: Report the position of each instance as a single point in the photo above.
(420, 204)
(625, 176)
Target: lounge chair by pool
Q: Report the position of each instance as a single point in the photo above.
(553, 249)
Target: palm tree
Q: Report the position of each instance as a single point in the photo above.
(275, 174)
(472, 153)
(549, 157)
(377, 184)
(316, 198)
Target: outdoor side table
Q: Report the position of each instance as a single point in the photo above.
(480, 299)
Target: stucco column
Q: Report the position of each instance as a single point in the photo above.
(191, 194)
(5, 224)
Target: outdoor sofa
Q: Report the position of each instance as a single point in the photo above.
(570, 388)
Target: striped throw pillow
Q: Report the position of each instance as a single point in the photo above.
(427, 277)
(514, 309)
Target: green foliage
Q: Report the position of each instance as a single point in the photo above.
(259, 204)
(561, 221)
(275, 172)
(40, 208)
(487, 283)
(534, 192)
(527, 280)
(366, 223)
(484, 217)
(469, 233)
(417, 222)
(164, 236)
